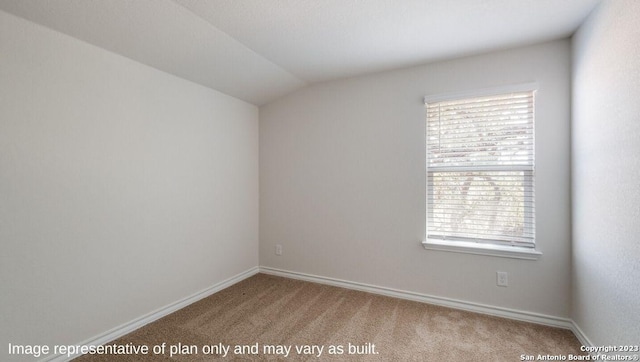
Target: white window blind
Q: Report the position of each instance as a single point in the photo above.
(480, 169)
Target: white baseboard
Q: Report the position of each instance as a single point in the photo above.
(564, 323)
(137, 323)
(129, 327)
(580, 335)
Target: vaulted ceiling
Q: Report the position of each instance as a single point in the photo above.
(259, 50)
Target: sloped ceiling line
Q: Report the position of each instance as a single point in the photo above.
(259, 50)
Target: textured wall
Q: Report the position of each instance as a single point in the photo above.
(342, 182)
(606, 174)
(122, 188)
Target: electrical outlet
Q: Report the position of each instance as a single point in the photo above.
(278, 249)
(502, 279)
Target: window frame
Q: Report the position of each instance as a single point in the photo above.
(498, 249)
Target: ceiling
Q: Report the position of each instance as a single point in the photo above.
(259, 50)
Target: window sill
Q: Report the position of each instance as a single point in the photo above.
(482, 249)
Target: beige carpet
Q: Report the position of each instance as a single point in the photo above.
(266, 310)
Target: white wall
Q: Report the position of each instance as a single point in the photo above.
(122, 188)
(606, 174)
(342, 182)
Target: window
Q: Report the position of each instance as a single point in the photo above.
(481, 173)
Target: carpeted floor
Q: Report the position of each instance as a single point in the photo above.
(268, 314)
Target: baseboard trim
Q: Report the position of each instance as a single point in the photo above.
(137, 323)
(524, 316)
(580, 335)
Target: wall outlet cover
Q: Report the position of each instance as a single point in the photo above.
(502, 279)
